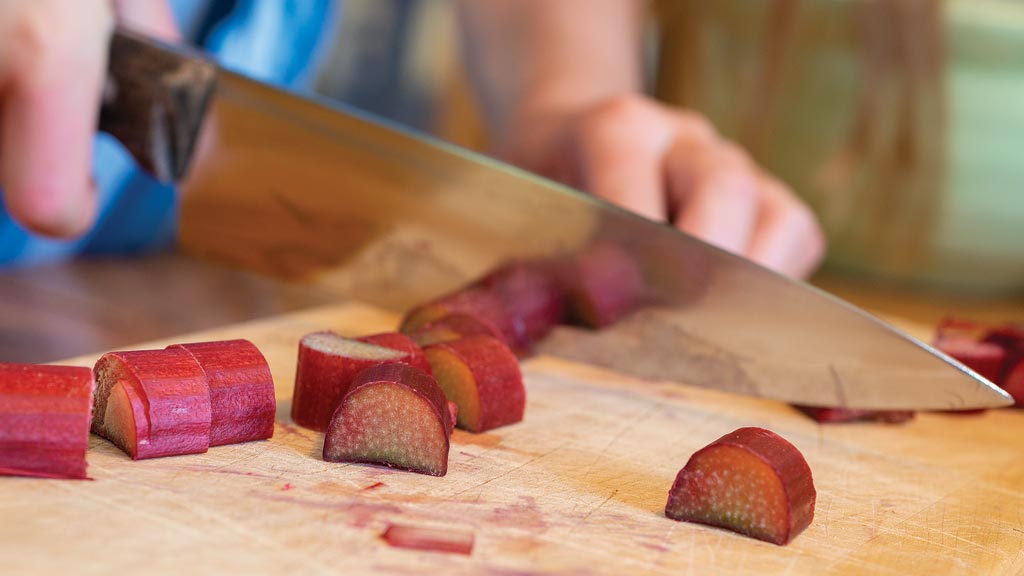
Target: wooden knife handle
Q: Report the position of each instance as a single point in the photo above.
(154, 102)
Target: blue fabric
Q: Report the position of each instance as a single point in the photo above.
(277, 41)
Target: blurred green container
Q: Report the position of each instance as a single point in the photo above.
(900, 121)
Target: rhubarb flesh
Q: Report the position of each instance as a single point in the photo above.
(327, 365)
(44, 420)
(429, 539)
(394, 415)
(402, 343)
(453, 327)
(751, 481)
(481, 304)
(481, 375)
(242, 403)
(531, 294)
(170, 389)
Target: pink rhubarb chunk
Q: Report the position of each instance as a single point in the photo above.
(327, 365)
(751, 481)
(531, 294)
(394, 415)
(482, 304)
(161, 406)
(44, 420)
(242, 403)
(482, 376)
(429, 539)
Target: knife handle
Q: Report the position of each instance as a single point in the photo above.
(154, 102)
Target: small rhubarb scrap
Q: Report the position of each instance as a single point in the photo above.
(751, 481)
(482, 304)
(481, 375)
(327, 365)
(394, 415)
(44, 420)
(994, 352)
(429, 539)
(242, 403)
(152, 403)
(847, 415)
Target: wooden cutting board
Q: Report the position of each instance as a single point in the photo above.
(577, 488)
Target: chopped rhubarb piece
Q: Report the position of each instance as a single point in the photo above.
(326, 367)
(1011, 339)
(602, 284)
(482, 376)
(453, 327)
(242, 404)
(985, 358)
(394, 415)
(751, 481)
(532, 295)
(44, 420)
(481, 304)
(430, 539)
(1014, 384)
(402, 343)
(164, 398)
(845, 415)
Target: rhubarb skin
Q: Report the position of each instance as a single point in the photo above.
(602, 284)
(402, 343)
(242, 402)
(453, 327)
(327, 365)
(751, 481)
(44, 420)
(1011, 339)
(482, 304)
(394, 415)
(531, 293)
(168, 398)
(847, 415)
(481, 375)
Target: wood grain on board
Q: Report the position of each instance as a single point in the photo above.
(579, 487)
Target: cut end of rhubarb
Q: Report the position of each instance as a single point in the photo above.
(429, 539)
(481, 304)
(847, 415)
(750, 481)
(390, 422)
(330, 343)
(120, 418)
(453, 327)
(481, 375)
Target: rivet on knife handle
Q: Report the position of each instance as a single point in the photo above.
(154, 102)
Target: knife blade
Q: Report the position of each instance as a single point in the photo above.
(315, 191)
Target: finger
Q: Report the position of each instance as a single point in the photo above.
(715, 189)
(621, 147)
(49, 116)
(787, 237)
(153, 17)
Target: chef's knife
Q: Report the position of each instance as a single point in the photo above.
(316, 191)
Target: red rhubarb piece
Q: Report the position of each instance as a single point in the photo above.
(163, 397)
(602, 284)
(394, 415)
(242, 404)
(402, 343)
(44, 420)
(1014, 383)
(326, 367)
(453, 327)
(985, 358)
(751, 481)
(430, 539)
(481, 304)
(482, 376)
(532, 295)
(846, 415)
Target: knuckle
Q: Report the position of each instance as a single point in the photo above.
(697, 125)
